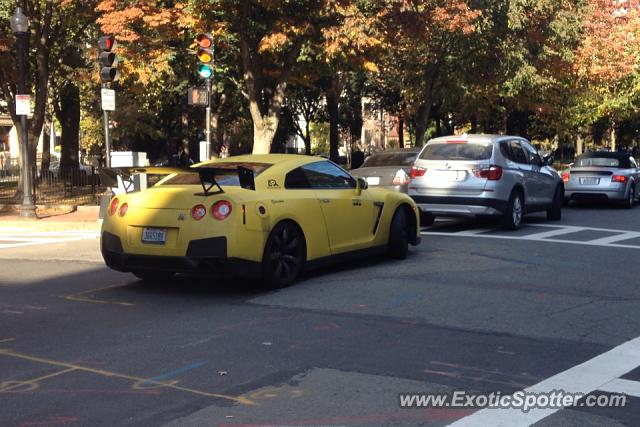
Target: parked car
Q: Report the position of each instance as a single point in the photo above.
(269, 216)
(603, 175)
(389, 169)
(478, 175)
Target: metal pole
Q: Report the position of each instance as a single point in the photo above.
(107, 134)
(208, 119)
(28, 209)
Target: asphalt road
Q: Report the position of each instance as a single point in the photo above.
(473, 308)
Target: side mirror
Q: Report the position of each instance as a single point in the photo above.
(548, 160)
(361, 184)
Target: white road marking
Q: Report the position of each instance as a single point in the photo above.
(43, 238)
(551, 236)
(619, 385)
(585, 378)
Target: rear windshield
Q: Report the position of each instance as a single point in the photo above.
(390, 159)
(467, 151)
(228, 178)
(604, 162)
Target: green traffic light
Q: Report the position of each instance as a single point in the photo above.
(205, 71)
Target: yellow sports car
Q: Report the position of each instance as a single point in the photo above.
(272, 216)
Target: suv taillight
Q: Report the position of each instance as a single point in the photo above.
(492, 173)
(416, 172)
(566, 176)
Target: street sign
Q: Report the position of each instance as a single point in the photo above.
(108, 99)
(23, 105)
(197, 96)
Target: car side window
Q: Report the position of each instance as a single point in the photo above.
(517, 153)
(327, 175)
(296, 179)
(532, 154)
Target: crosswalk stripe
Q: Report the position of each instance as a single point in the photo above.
(620, 385)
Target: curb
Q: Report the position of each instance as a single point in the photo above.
(44, 225)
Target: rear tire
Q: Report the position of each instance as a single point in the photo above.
(153, 276)
(398, 237)
(555, 212)
(284, 255)
(515, 210)
(632, 197)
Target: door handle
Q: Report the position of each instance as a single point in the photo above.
(325, 200)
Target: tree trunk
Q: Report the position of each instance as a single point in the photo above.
(307, 139)
(46, 145)
(401, 132)
(422, 121)
(263, 136)
(333, 105)
(69, 117)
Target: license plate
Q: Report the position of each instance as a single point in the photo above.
(373, 180)
(589, 181)
(442, 175)
(154, 235)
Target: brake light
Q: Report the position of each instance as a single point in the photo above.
(401, 178)
(123, 209)
(416, 172)
(198, 212)
(492, 173)
(113, 207)
(565, 176)
(619, 178)
(221, 210)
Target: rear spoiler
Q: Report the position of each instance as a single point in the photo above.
(207, 175)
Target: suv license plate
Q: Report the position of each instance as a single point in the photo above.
(373, 180)
(154, 235)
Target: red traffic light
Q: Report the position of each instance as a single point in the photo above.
(107, 43)
(204, 40)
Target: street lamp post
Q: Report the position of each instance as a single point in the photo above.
(20, 27)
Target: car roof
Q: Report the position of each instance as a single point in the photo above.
(475, 137)
(398, 150)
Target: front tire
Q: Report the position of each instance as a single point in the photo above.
(555, 212)
(284, 255)
(398, 237)
(515, 210)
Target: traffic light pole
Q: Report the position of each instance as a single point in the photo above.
(107, 133)
(208, 119)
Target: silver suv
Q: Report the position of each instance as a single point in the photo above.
(477, 175)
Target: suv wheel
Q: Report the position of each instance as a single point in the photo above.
(555, 212)
(515, 210)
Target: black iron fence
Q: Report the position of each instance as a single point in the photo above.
(55, 186)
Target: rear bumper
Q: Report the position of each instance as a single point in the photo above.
(596, 194)
(460, 206)
(205, 256)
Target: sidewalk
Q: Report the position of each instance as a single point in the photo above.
(52, 219)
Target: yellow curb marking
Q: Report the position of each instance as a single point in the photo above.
(15, 386)
(238, 399)
(79, 298)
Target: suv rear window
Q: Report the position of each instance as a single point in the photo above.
(466, 151)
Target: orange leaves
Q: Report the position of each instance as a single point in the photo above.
(273, 42)
(610, 50)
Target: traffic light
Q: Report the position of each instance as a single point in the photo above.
(205, 55)
(108, 59)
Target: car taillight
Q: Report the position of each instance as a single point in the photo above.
(113, 207)
(492, 173)
(619, 178)
(198, 212)
(401, 178)
(416, 171)
(123, 209)
(221, 210)
(565, 176)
